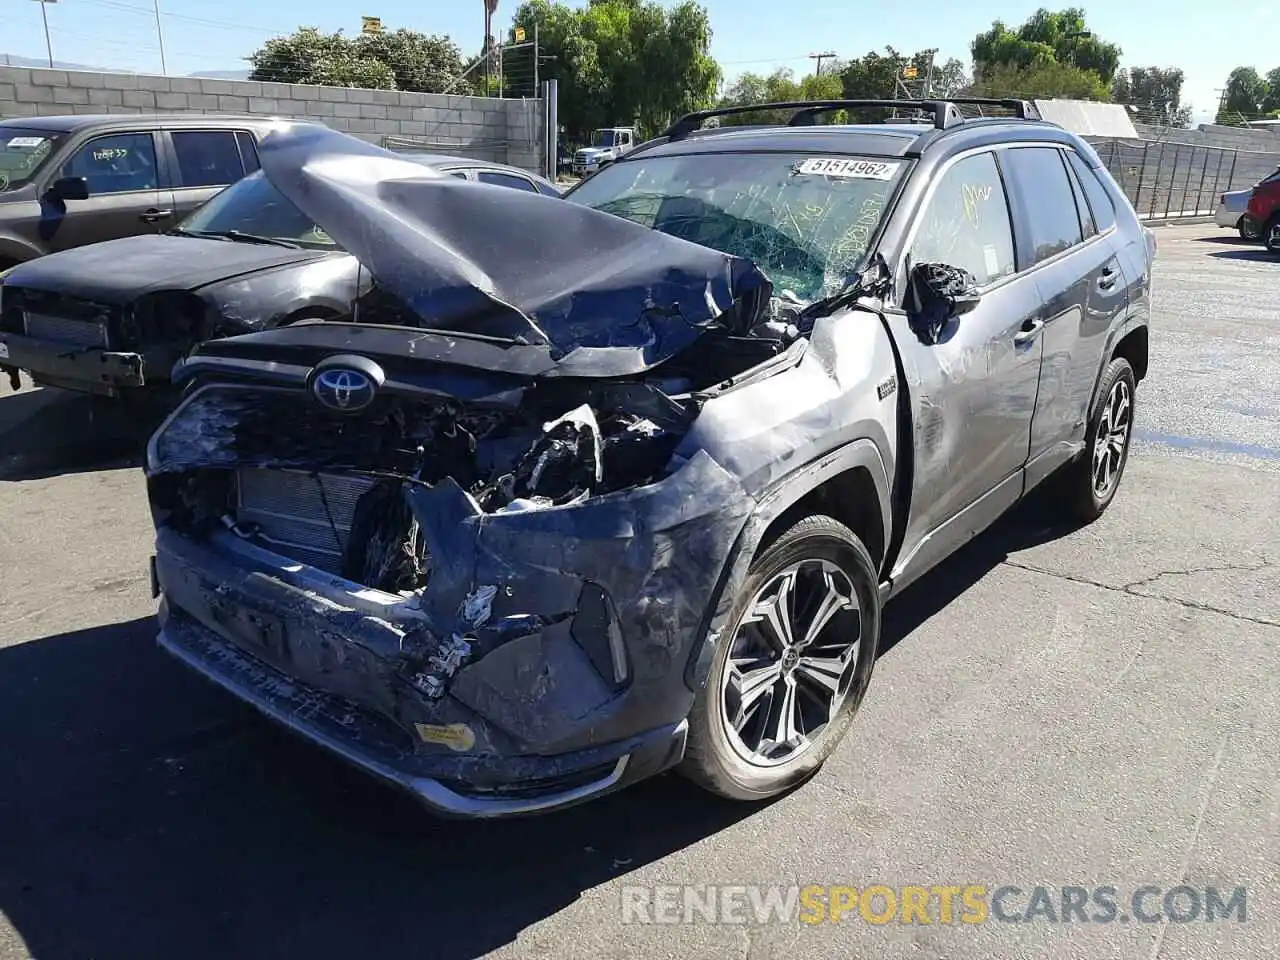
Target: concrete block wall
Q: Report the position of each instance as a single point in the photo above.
(505, 131)
(1215, 135)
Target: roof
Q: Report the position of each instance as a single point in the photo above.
(69, 123)
(874, 140)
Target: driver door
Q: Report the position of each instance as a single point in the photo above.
(124, 192)
(973, 383)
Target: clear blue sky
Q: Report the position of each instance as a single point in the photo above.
(1205, 39)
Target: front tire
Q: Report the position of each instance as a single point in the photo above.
(791, 667)
(1091, 481)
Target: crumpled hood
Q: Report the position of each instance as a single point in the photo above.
(119, 271)
(510, 264)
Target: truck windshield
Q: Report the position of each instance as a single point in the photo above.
(604, 138)
(805, 220)
(253, 206)
(23, 154)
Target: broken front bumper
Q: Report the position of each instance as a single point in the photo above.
(538, 717)
(88, 370)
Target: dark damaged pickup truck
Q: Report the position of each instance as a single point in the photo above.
(632, 497)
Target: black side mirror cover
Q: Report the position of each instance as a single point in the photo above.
(70, 188)
(938, 293)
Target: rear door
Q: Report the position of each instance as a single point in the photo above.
(204, 162)
(1081, 282)
(123, 174)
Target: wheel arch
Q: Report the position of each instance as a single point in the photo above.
(849, 484)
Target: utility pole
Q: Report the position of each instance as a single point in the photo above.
(160, 36)
(536, 88)
(48, 44)
(819, 57)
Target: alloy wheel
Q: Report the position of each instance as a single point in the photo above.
(791, 662)
(1112, 439)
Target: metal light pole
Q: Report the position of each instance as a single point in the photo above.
(160, 36)
(48, 44)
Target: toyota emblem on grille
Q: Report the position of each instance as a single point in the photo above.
(343, 389)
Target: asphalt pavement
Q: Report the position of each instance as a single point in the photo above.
(1089, 708)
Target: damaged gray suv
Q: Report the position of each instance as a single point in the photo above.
(552, 517)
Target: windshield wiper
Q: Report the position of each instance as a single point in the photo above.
(238, 236)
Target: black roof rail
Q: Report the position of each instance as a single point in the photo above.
(944, 112)
(1022, 109)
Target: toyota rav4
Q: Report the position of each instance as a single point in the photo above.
(632, 497)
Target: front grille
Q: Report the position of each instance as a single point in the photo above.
(304, 516)
(72, 332)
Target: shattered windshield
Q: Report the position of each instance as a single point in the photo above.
(805, 221)
(604, 138)
(22, 154)
(253, 207)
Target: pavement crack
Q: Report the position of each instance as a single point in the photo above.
(1131, 589)
(1191, 571)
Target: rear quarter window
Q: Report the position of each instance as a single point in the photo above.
(1100, 203)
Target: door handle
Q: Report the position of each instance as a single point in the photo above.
(1030, 330)
(152, 215)
(1108, 278)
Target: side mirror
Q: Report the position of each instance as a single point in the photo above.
(69, 188)
(938, 293)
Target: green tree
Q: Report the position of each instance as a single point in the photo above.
(1243, 98)
(876, 76)
(1046, 38)
(1043, 81)
(403, 60)
(781, 86)
(624, 61)
(1271, 102)
(1155, 92)
(425, 64)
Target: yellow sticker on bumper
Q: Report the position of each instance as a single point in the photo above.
(455, 736)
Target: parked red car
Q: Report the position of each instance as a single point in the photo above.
(1262, 216)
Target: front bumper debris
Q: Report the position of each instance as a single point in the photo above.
(515, 711)
(479, 789)
(88, 370)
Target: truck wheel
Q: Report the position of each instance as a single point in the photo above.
(1091, 480)
(791, 670)
(1242, 229)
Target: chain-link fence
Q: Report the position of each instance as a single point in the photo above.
(1168, 180)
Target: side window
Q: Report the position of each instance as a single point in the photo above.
(1087, 226)
(207, 158)
(117, 163)
(506, 180)
(966, 223)
(1100, 203)
(248, 151)
(1051, 212)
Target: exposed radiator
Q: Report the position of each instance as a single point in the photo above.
(306, 517)
(74, 333)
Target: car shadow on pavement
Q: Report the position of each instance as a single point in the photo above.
(1233, 239)
(145, 814)
(45, 433)
(1256, 255)
(1032, 522)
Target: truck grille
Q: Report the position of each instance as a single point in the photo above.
(304, 516)
(72, 332)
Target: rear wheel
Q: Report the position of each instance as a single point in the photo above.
(791, 670)
(1090, 481)
(1271, 234)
